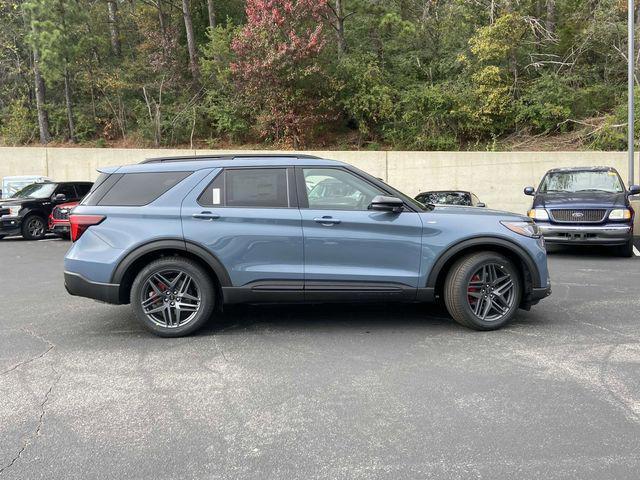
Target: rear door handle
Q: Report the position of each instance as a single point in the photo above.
(328, 221)
(206, 216)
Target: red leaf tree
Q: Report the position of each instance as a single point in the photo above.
(278, 68)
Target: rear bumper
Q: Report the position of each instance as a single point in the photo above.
(79, 286)
(610, 234)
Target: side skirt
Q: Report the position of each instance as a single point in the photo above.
(324, 292)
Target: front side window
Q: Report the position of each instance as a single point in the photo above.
(68, 191)
(335, 189)
(582, 181)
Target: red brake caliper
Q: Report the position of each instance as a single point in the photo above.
(473, 289)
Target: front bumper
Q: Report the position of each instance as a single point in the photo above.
(10, 226)
(79, 286)
(610, 234)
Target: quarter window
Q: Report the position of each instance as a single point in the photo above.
(137, 189)
(336, 189)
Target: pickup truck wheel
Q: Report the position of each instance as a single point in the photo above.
(34, 227)
(626, 250)
(173, 297)
(483, 291)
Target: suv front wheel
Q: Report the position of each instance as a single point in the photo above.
(483, 290)
(173, 296)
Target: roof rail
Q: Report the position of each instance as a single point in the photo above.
(231, 156)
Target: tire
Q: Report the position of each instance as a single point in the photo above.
(466, 292)
(163, 316)
(626, 250)
(34, 227)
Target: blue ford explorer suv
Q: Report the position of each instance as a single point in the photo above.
(584, 206)
(178, 238)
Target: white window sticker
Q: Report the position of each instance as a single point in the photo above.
(216, 196)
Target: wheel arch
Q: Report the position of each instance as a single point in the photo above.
(135, 260)
(522, 260)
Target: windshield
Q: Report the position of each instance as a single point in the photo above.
(446, 198)
(36, 190)
(582, 181)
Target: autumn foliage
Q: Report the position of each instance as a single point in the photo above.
(278, 66)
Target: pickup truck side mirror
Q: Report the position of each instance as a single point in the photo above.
(383, 203)
(60, 198)
(634, 189)
(529, 191)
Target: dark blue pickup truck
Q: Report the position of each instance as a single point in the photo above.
(584, 206)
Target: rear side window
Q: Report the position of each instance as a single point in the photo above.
(137, 189)
(248, 187)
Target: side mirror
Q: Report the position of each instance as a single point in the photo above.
(383, 203)
(529, 191)
(481, 204)
(634, 189)
(60, 198)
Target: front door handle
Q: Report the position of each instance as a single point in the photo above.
(327, 221)
(206, 216)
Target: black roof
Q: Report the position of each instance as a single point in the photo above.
(230, 156)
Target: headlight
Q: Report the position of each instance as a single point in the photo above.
(620, 214)
(13, 211)
(538, 214)
(528, 229)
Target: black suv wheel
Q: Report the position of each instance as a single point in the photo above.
(34, 227)
(483, 290)
(173, 297)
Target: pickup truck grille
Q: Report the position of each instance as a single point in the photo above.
(61, 213)
(577, 216)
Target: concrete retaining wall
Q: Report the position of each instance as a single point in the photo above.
(496, 177)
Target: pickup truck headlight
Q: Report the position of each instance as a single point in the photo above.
(13, 211)
(620, 214)
(538, 214)
(528, 229)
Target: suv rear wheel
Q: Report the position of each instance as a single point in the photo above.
(173, 297)
(483, 290)
(34, 227)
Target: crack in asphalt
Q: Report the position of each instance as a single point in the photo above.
(50, 346)
(38, 429)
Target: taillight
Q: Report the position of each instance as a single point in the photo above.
(80, 223)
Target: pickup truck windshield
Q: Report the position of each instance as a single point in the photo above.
(582, 181)
(36, 190)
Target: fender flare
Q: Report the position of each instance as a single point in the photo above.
(172, 244)
(513, 247)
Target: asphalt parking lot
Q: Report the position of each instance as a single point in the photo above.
(331, 392)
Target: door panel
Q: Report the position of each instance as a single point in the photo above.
(255, 244)
(346, 242)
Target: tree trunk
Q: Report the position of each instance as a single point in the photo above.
(212, 14)
(43, 117)
(191, 43)
(114, 30)
(67, 99)
(342, 41)
(551, 17)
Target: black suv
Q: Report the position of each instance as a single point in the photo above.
(26, 213)
(584, 206)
